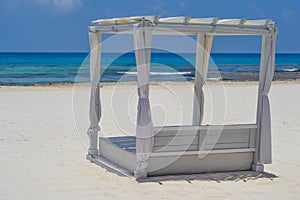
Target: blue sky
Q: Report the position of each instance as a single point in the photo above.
(61, 25)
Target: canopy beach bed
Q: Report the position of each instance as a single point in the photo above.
(182, 149)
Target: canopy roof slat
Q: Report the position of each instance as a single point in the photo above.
(186, 25)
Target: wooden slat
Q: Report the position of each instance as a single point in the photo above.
(227, 131)
(175, 148)
(218, 151)
(226, 146)
(226, 138)
(252, 138)
(190, 28)
(177, 140)
(175, 131)
(130, 149)
(126, 143)
(203, 127)
(121, 139)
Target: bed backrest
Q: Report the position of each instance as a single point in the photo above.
(205, 138)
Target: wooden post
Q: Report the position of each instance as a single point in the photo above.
(258, 167)
(95, 103)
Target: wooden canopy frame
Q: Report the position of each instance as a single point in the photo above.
(152, 146)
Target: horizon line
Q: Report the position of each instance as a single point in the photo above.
(297, 52)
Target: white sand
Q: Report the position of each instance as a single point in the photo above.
(43, 157)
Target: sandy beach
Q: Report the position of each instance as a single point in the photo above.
(43, 141)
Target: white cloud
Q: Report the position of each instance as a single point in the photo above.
(64, 5)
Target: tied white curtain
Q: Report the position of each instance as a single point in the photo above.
(95, 103)
(267, 73)
(144, 129)
(204, 44)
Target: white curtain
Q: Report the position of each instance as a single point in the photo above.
(144, 129)
(204, 44)
(95, 103)
(266, 75)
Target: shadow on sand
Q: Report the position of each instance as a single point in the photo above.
(217, 177)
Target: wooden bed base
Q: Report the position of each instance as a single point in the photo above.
(184, 150)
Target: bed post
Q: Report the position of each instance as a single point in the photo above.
(95, 103)
(257, 167)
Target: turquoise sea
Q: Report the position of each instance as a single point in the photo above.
(47, 68)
